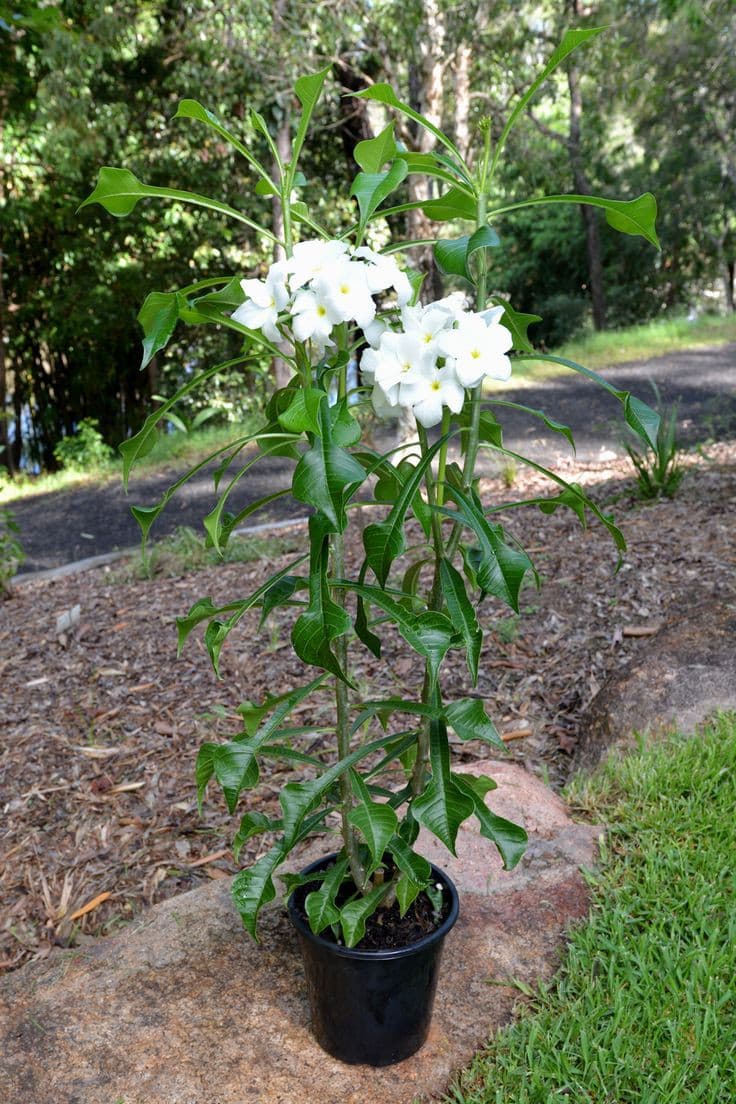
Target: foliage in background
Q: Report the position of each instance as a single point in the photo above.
(84, 449)
(643, 1009)
(11, 549)
(82, 85)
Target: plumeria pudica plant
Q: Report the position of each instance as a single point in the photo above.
(330, 302)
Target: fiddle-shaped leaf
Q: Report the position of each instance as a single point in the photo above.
(324, 473)
(323, 620)
(455, 204)
(517, 323)
(556, 427)
(385, 540)
(462, 614)
(252, 824)
(510, 839)
(453, 255)
(375, 820)
(501, 567)
(236, 769)
(370, 189)
(118, 191)
(319, 905)
(373, 153)
(443, 806)
(302, 414)
(430, 634)
(354, 915)
(158, 317)
(253, 888)
(469, 720)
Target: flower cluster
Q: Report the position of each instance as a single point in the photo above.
(322, 285)
(438, 351)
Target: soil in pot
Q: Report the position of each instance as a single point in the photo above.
(372, 1003)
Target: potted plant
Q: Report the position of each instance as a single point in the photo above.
(371, 916)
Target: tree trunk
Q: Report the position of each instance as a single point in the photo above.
(729, 273)
(462, 98)
(589, 214)
(425, 93)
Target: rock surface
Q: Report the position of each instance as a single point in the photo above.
(183, 1008)
(684, 674)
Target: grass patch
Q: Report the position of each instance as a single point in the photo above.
(185, 551)
(612, 347)
(644, 1010)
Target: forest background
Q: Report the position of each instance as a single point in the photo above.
(650, 105)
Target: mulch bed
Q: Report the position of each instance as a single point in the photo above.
(101, 722)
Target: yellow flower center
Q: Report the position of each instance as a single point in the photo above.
(321, 311)
(475, 354)
(344, 289)
(435, 385)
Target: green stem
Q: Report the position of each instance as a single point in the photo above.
(342, 705)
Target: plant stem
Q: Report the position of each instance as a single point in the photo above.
(342, 706)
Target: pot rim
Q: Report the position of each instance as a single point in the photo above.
(373, 955)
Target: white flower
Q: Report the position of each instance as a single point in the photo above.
(374, 331)
(400, 360)
(265, 299)
(433, 390)
(312, 259)
(476, 350)
(427, 323)
(382, 273)
(345, 292)
(382, 404)
(311, 319)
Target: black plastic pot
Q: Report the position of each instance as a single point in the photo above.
(371, 1007)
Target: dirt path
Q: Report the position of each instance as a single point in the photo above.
(67, 526)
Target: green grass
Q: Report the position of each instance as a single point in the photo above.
(602, 350)
(172, 451)
(644, 1009)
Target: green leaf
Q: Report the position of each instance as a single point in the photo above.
(227, 298)
(570, 41)
(253, 888)
(501, 568)
(323, 621)
(509, 838)
(370, 189)
(443, 806)
(469, 720)
(373, 153)
(407, 892)
(641, 418)
(556, 427)
(192, 109)
(279, 594)
(455, 204)
(409, 862)
(376, 821)
(384, 93)
(517, 323)
(236, 769)
(353, 916)
(346, 430)
(302, 413)
(324, 472)
(385, 540)
(633, 216)
(252, 824)
(158, 317)
(118, 191)
(308, 90)
(462, 614)
(437, 166)
(429, 634)
(453, 254)
(320, 904)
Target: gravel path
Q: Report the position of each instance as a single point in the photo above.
(66, 526)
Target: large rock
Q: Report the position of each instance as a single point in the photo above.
(681, 676)
(183, 1008)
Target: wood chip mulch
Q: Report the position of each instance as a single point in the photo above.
(101, 722)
